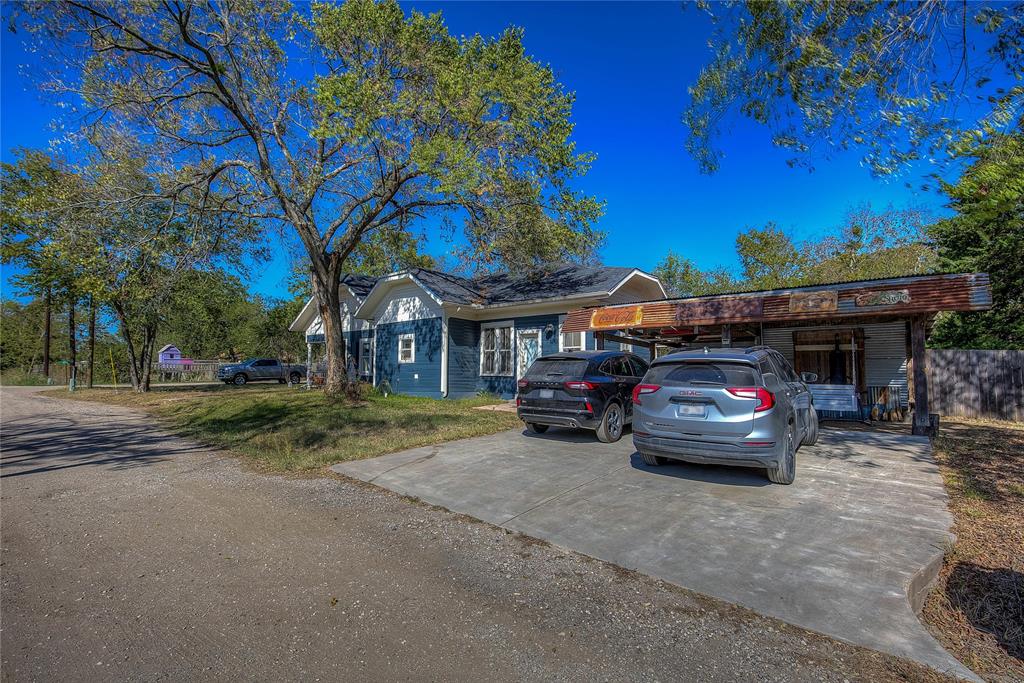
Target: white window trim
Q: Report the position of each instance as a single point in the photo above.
(365, 355)
(412, 338)
(499, 324)
(561, 339)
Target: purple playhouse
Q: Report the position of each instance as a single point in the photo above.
(171, 355)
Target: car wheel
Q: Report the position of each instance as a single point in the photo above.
(653, 460)
(295, 378)
(785, 472)
(535, 428)
(240, 379)
(812, 428)
(610, 429)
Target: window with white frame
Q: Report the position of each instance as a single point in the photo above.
(569, 341)
(496, 349)
(365, 345)
(572, 341)
(406, 348)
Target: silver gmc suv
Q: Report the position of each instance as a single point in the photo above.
(727, 407)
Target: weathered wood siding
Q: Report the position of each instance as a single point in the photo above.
(987, 384)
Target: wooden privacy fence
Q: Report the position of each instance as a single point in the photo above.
(988, 384)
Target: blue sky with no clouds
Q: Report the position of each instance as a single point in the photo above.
(629, 65)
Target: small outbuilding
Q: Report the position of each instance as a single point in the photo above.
(864, 341)
(169, 354)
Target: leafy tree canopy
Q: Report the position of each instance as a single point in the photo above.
(682, 277)
(769, 258)
(868, 244)
(334, 122)
(986, 235)
(900, 81)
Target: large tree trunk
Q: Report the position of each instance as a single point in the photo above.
(133, 358)
(149, 341)
(72, 348)
(92, 338)
(47, 313)
(328, 297)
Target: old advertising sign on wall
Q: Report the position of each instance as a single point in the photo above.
(711, 310)
(814, 302)
(616, 318)
(889, 297)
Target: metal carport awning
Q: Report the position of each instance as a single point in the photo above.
(679, 322)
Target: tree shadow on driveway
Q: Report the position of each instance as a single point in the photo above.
(32, 447)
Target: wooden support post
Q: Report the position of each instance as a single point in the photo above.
(922, 421)
(726, 336)
(599, 337)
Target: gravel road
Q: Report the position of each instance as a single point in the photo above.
(131, 554)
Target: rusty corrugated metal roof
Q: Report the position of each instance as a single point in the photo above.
(896, 297)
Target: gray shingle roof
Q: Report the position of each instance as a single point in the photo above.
(359, 284)
(556, 282)
(560, 281)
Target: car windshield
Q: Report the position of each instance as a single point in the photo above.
(702, 373)
(557, 367)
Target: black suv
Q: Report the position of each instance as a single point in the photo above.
(587, 389)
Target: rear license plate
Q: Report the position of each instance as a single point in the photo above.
(547, 393)
(690, 410)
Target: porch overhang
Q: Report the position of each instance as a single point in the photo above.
(903, 297)
(719, 319)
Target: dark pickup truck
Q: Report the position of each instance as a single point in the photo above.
(261, 370)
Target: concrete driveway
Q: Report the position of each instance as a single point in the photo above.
(844, 551)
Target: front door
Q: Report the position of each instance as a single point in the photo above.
(527, 351)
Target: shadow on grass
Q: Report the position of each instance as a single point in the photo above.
(992, 600)
(986, 459)
(286, 423)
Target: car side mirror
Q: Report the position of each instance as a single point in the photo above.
(809, 377)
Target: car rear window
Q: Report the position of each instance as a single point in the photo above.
(702, 372)
(558, 367)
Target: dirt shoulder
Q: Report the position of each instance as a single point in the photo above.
(128, 553)
(976, 608)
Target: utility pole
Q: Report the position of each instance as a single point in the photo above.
(47, 303)
(92, 335)
(72, 352)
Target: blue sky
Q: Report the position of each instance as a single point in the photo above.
(629, 65)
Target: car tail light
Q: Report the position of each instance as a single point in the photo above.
(580, 385)
(519, 401)
(642, 389)
(523, 383)
(765, 398)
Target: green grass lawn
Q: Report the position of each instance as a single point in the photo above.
(290, 430)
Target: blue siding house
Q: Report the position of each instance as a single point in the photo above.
(428, 333)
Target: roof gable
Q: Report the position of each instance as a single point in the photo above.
(560, 281)
(496, 289)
